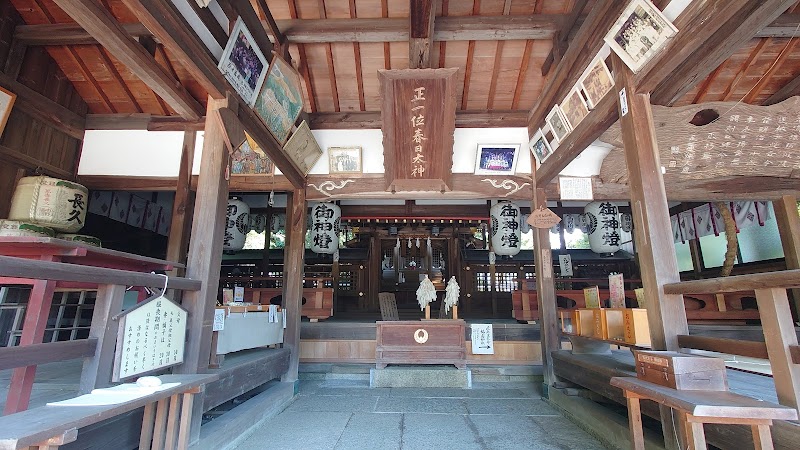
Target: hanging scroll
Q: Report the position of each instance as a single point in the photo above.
(418, 124)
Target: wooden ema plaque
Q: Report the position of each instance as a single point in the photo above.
(418, 121)
(421, 342)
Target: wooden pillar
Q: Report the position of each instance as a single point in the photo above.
(267, 239)
(178, 235)
(293, 276)
(205, 246)
(545, 290)
(97, 370)
(789, 229)
(374, 272)
(652, 230)
(780, 337)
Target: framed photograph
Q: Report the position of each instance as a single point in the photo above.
(539, 147)
(243, 64)
(344, 160)
(250, 159)
(280, 100)
(7, 99)
(302, 148)
(574, 108)
(596, 83)
(496, 159)
(639, 33)
(558, 123)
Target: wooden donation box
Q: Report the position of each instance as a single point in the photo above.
(681, 371)
(421, 342)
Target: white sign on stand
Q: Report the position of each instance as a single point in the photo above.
(219, 320)
(151, 336)
(482, 339)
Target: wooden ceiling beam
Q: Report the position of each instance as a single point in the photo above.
(99, 22)
(171, 29)
(68, 34)
(42, 108)
(785, 26)
(562, 36)
(253, 23)
(372, 120)
(421, 17)
(142, 121)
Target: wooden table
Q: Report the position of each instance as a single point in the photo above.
(166, 422)
(38, 310)
(698, 407)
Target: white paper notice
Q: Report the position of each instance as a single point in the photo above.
(219, 320)
(575, 188)
(565, 261)
(273, 314)
(482, 339)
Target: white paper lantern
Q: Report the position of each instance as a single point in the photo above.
(602, 222)
(505, 218)
(258, 223)
(325, 219)
(237, 224)
(278, 222)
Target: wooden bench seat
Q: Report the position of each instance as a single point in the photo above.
(166, 420)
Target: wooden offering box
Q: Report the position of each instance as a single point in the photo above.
(613, 328)
(681, 371)
(586, 321)
(420, 342)
(569, 322)
(637, 330)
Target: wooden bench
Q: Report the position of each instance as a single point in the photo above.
(166, 423)
(698, 407)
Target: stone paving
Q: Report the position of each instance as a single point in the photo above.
(347, 414)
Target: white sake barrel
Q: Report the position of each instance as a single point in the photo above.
(82, 238)
(237, 225)
(15, 228)
(51, 202)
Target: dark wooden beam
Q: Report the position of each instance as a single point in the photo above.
(15, 58)
(277, 36)
(372, 119)
(210, 22)
(421, 17)
(12, 156)
(561, 37)
(248, 15)
(42, 108)
(296, 213)
(29, 355)
(177, 244)
(68, 34)
(785, 26)
(99, 22)
(788, 90)
(142, 121)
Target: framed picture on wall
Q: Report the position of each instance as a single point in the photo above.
(243, 64)
(344, 160)
(640, 32)
(280, 101)
(496, 159)
(558, 123)
(7, 99)
(574, 108)
(596, 83)
(539, 147)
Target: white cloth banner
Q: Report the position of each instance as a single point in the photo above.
(703, 225)
(482, 339)
(687, 225)
(676, 230)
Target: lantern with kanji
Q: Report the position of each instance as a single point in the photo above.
(237, 224)
(602, 223)
(505, 217)
(325, 219)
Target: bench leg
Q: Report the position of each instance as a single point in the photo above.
(160, 425)
(762, 437)
(695, 435)
(172, 422)
(186, 421)
(635, 421)
(146, 436)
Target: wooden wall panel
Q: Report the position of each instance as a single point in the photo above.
(23, 134)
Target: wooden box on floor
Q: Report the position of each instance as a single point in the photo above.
(637, 329)
(570, 324)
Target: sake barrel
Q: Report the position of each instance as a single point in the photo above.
(82, 238)
(15, 228)
(51, 202)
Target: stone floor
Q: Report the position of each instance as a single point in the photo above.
(347, 414)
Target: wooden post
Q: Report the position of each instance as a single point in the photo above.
(652, 229)
(205, 246)
(97, 370)
(374, 272)
(789, 229)
(178, 236)
(267, 239)
(546, 290)
(293, 276)
(779, 335)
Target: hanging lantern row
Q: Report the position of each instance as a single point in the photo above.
(325, 218)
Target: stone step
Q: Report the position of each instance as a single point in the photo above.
(421, 377)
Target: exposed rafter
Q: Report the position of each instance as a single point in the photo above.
(562, 37)
(42, 108)
(421, 17)
(99, 22)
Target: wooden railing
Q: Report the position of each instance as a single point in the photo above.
(780, 339)
(98, 349)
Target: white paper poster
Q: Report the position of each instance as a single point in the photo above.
(482, 339)
(219, 320)
(565, 261)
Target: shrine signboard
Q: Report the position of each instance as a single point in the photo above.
(418, 115)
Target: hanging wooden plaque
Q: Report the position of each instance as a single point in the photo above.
(418, 115)
(543, 218)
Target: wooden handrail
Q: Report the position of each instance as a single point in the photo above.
(29, 355)
(767, 280)
(33, 269)
(753, 349)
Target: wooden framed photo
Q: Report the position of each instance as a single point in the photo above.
(344, 160)
(243, 64)
(558, 123)
(540, 147)
(280, 100)
(639, 33)
(7, 99)
(302, 148)
(596, 83)
(574, 108)
(250, 159)
(496, 159)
